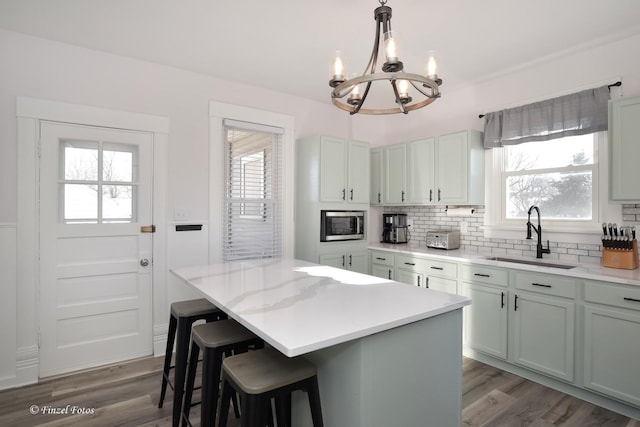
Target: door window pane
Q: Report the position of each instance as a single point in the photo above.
(80, 160)
(80, 203)
(99, 182)
(117, 202)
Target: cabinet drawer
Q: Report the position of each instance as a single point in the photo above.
(482, 274)
(427, 266)
(615, 295)
(382, 258)
(546, 284)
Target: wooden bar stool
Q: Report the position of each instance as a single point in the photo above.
(259, 376)
(216, 340)
(183, 315)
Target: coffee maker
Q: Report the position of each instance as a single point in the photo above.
(394, 228)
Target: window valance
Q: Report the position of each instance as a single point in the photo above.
(575, 114)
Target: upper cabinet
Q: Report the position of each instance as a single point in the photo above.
(624, 128)
(375, 196)
(394, 189)
(334, 169)
(460, 168)
(448, 169)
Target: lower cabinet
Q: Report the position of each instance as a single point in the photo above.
(382, 264)
(543, 334)
(531, 324)
(427, 273)
(612, 341)
(353, 261)
(485, 320)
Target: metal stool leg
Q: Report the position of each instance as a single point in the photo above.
(167, 358)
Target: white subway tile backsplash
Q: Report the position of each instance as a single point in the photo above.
(435, 218)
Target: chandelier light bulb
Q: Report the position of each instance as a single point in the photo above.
(354, 96)
(432, 65)
(391, 46)
(403, 90)
(338, 70)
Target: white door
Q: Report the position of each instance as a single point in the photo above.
(95, 261)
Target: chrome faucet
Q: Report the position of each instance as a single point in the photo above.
(539, 249)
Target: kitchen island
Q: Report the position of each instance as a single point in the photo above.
(387, 353)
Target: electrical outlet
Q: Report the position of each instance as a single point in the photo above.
(410, 222)
(463, 227)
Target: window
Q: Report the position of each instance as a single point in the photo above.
(566, 178)
(98, 182)
(559, 176)
(253, 193)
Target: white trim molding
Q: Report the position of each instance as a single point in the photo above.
(217, 113)
(29, 113)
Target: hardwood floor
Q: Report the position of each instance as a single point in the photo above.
(127, 395)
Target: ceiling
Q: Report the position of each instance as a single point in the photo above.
(287, 45)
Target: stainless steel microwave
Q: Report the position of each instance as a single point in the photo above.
(341, 225)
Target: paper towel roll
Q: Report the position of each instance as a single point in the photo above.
(460, 211)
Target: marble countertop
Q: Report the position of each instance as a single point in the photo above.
(582, 271)
(299, 307)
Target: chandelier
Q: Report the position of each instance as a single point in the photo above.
(392, 71)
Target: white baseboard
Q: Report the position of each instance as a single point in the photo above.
(26, 369)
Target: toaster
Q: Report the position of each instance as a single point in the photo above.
(443, 239)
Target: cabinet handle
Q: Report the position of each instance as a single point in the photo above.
(343, 260)
(379, 198)
(351, 195)
(426, 282)
(631, 299)
(438, 194)
(515, 303)
(482, 275)
(344, 194)
(350, 260)
(437, 268)
(410, 263)
(501, 299)
(431, 195)
(381, 259)
(403, 195)
(418, 281)
(389, 274)
(542, 285)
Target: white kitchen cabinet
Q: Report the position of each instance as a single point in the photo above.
(624, 128)
(459, 166)
(352, 261)
(485, 320)
(544, 324)
(612, 340)
(382, 264)
(344, 170)
(421, 171)
(394, 174)
(375, 197)
(427, 273)
(448, 169)
(543, 335)
(410, 277)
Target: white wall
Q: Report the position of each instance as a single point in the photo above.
(43, 69)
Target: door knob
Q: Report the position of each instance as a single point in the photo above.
(144, 262)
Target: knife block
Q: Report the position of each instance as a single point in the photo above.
(621, 258)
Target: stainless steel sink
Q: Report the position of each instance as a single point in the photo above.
(532, 262)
